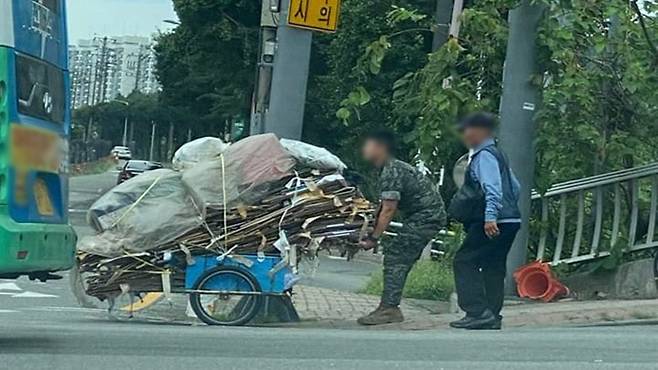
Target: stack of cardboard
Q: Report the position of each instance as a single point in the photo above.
(257, 198)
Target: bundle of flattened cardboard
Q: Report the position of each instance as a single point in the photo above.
(260, 195)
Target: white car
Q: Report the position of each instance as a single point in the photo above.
(122, 152)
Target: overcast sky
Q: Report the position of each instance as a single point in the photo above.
(117, 17)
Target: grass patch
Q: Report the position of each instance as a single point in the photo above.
(427, 280)
(92, 168)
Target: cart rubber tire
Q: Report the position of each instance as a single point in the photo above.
(197, 306)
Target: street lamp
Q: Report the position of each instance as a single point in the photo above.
(125, 122)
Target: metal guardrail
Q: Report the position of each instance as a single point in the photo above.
(585, 219)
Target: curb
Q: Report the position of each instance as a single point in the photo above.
(647, 322)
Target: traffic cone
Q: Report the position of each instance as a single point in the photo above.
(536, 281)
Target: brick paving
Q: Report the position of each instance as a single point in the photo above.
(327, 308)
(326, 304)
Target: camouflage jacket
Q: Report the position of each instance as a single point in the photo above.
(419, 203)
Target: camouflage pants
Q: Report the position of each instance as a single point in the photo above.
(400, 255)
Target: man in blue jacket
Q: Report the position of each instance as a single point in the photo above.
(487, 206)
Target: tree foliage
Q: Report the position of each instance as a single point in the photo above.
(598, 79)
(206, 65)
(598, 63)
(600, 89)
(105, 123)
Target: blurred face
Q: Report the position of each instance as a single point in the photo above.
(374, 152)
(474, 136)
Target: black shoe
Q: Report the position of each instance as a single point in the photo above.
(461, 323)
(486, 320)
(496, 325)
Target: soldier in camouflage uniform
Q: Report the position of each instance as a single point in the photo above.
(409, 195)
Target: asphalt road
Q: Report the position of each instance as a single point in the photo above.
(46, 332)
(41, 327)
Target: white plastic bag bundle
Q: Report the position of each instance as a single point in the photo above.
(313, 156)
(142, 213)
(197, 151)
(243, 173)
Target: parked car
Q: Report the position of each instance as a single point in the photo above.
(121, 152)
(134, 168)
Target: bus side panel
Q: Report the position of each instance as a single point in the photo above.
(36, 150)
(5, 97)
(29, 247)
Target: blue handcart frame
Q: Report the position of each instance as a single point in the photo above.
(230, 290)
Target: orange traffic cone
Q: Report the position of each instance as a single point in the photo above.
(536, 281)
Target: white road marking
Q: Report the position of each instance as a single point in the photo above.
(10, 286)
(33, 295)
(8, 311)
(68, 309)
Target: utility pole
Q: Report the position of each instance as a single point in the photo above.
(268, 24)
(518, 105)
(152, 140)
(103, 72)
(285, 116)
(125, 132)
(88, 137)
(170, 144)
(443, 16)
(141, 57)
(125, 122)
(131, 138)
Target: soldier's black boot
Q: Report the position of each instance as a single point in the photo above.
(382, 315)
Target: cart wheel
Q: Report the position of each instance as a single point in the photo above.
(226, 309)
(78, 288)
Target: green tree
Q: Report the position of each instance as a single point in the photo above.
(334, 75)
(599, 84)
(207, 64)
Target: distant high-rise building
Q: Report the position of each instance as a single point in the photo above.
(106, 67)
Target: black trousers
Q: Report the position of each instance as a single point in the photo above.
(480, 266)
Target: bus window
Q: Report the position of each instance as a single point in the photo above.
(41, 92)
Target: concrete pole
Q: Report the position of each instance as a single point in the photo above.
(152, 141)
(289, 79)
(456, 22)
(519, 103)
(170, 142)
(442, 17)
(131, 137)
(263, 81)
(125, 132)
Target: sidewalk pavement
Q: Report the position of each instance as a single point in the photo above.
(332, 309)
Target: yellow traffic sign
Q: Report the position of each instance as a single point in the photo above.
(319, 15)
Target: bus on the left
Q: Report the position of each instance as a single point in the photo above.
(36, 239)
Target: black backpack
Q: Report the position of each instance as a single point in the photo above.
(468, 204)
